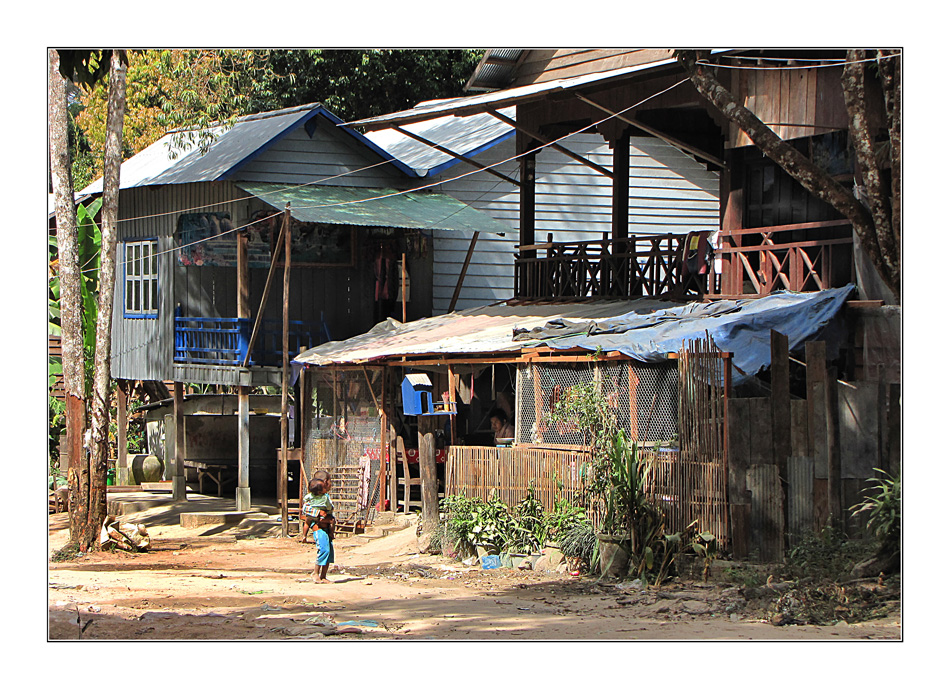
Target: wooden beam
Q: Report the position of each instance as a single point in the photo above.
(285, 383)
(285, 227)
(458, 284)
(558, 147)
(683, 146)
(459, 156)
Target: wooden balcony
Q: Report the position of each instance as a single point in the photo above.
(644, 266)
(805, 257)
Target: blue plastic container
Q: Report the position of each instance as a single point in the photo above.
(491, 562)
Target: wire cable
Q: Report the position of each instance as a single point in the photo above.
(836, 63)
(403, 192)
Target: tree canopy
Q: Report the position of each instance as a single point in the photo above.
(193, 88)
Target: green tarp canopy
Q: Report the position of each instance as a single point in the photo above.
(420, 210)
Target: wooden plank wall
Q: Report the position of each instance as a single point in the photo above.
(782, 97)
(669, 192)
(829, 458)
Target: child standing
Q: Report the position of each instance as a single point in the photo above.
(318, 507)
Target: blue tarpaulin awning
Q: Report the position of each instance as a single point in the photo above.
(645, 330)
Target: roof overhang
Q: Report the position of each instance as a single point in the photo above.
(470, 105)
(645, 330)
(364, 206)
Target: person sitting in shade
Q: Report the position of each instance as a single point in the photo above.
(501, 426)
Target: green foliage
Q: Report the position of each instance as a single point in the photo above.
(883, 507)
(70, 551)
(565, 517)
(492, 524)
(473, 521)
(826, 556)
(579, 541)
(617, 480)
(191, 90)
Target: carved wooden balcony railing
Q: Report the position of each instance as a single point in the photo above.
(639, 266)
(806, 257)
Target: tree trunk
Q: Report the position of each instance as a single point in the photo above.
(101, 376)
(430, 482)
(70, 296)
(804, 171)
(878, 196)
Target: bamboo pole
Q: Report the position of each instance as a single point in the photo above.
(285, 380)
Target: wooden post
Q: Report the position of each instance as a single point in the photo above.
(452, 385)
(781, 412)
(383, 440)
(243, 278)
(620, 210)
(458, 284)
(285, 382)
(178, 466)
(122, 435)
(428, 474)
(402, 273)
(821, 440)
(242, 496)
(834, 457)
(284, 228)
(393, 478)
(305, 409)
(526, 205)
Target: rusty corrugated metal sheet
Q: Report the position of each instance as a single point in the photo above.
(485, 329)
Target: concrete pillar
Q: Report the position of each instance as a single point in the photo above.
(178, 465)
(242, 497)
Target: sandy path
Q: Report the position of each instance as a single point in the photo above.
(212, 584)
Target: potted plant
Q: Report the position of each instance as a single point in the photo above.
(528, 530)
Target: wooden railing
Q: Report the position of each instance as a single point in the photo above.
(758, 261)
(638, 266)
(224, 341)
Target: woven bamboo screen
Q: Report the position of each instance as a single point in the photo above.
(508, 471)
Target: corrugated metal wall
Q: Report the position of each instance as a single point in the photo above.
(669, 192)
(142, 348)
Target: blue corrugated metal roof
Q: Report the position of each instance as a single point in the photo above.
(467, 136)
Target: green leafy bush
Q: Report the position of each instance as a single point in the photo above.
(883, 506)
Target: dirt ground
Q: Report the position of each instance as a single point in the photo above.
(247, 583)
